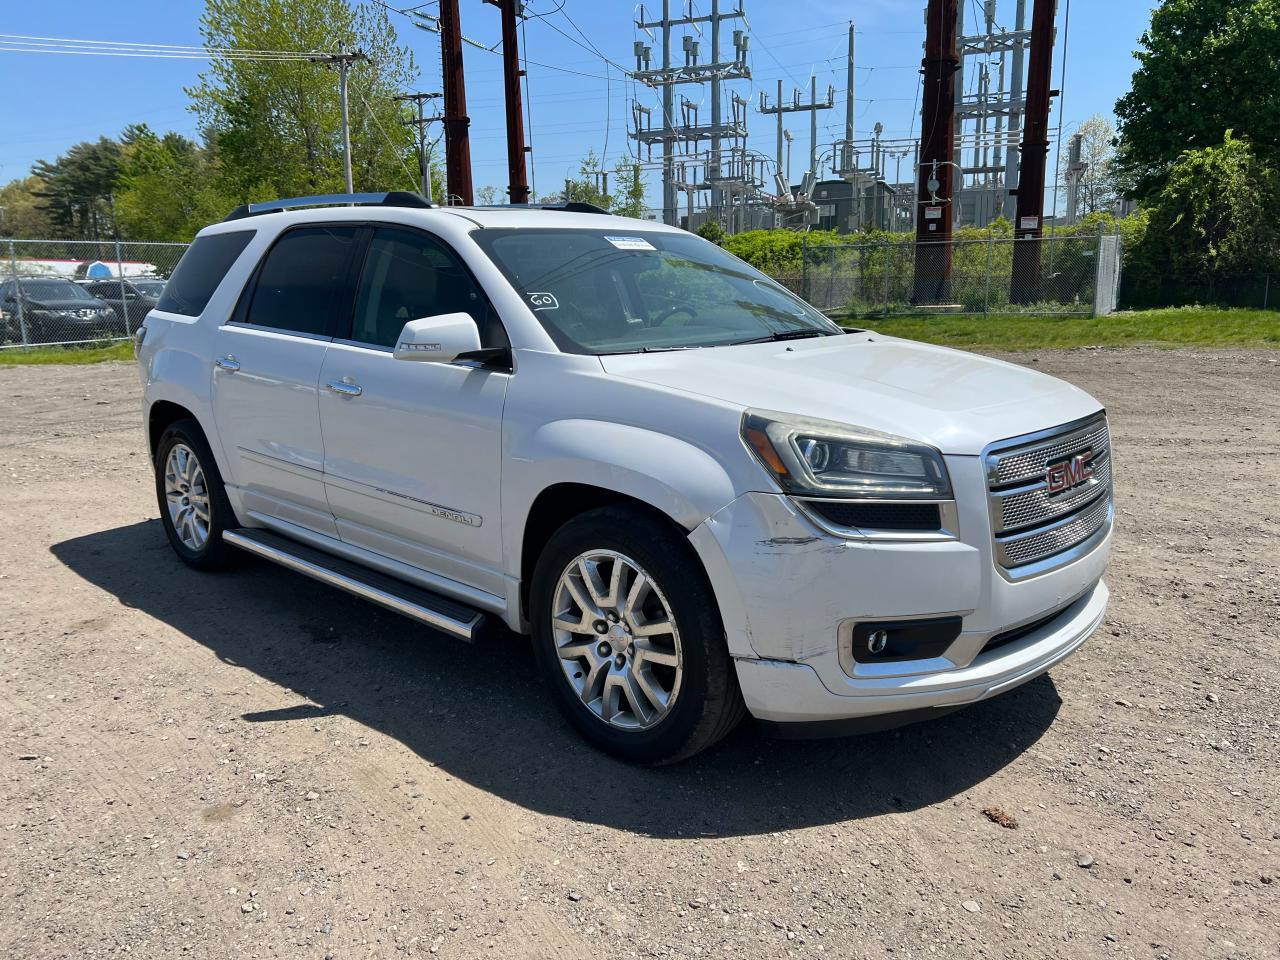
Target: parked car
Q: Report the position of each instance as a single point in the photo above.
(698, 495)
(53, 310)
(130, 300)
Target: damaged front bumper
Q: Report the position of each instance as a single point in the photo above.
(790, 593)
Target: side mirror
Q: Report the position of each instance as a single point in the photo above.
(438, 339)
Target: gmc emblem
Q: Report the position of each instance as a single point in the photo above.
(1069, 473)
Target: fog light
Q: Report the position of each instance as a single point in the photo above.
(892, 641)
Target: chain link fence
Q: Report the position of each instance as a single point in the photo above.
(1055, 276)
(62, 292)
(79, 291)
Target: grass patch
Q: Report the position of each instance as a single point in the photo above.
(93, 353)
(1173, 327)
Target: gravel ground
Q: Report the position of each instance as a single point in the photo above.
(252, 765)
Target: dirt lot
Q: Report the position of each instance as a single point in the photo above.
(251, 765)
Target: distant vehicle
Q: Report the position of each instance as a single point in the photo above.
(53, 310)
(131, 300)
(699, 495)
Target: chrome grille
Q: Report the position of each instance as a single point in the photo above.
(1031, 526)
(1025, 506)
(1023, 460)
(1037, 544)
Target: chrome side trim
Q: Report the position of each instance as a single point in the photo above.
(432, 618)
(404, 499)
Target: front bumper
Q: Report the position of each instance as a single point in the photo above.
(788, 594)
(792, 693)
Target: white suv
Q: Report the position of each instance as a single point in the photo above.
(697, 494)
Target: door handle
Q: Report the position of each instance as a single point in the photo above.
(344, 387)
(227, 363)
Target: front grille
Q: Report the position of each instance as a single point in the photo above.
(1023, 507)
(1029, 524)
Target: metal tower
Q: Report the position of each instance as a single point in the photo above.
(989, 114)
(689, 132)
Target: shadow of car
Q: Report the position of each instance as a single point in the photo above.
(478, 713)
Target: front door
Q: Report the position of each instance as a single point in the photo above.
(266, 374)
(413, 449)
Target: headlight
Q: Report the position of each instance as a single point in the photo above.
(821, 458)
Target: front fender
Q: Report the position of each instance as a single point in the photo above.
(672, 475)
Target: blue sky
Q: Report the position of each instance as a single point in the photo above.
(50, 102)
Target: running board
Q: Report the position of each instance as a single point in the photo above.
(421, 605)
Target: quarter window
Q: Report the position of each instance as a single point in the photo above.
(301, 283)
(409, 275)
(200, 270)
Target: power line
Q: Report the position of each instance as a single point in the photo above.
(20, 43)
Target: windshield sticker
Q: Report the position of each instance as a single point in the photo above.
(543, 301)
(631, 243)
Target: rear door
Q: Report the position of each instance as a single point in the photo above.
(413, 449)
(267, 370)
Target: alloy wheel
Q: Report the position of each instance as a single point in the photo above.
(187, 497)
(617, 640)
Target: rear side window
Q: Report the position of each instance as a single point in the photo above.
(302, 282)
(200, 271)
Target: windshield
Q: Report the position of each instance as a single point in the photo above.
(54, 290)
(603, 291)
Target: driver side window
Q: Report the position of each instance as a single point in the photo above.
(408, 275)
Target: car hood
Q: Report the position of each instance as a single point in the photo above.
(958, 402)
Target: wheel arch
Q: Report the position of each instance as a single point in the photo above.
(163, 414)
(574, 465)
(557, 505)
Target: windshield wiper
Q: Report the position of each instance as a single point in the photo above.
(783, 335)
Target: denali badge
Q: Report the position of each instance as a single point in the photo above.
(1069, 473)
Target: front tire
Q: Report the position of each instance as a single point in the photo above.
(193, 502)
(629, 638)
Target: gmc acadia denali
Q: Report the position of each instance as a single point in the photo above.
(698, 495)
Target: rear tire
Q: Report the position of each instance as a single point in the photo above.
(628, 636)
(193, 501)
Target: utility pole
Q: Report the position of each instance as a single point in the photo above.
(1076, 167)
(517, 179)
(343, 60)
(1029, 226)
(937, 175)
(846, 161)
(796, 106)
(1015, 115)
(457, 138)
(424, 145)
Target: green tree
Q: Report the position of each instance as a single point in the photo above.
(169, 187)
(1098, 185)
(22, 212)
(76, 189)
(277, 122)
(589, 185)
(711, 230)
(628, 198)
(1215, 215)
(1206, 66)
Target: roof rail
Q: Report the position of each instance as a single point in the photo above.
(573, 206)
(391, 198)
